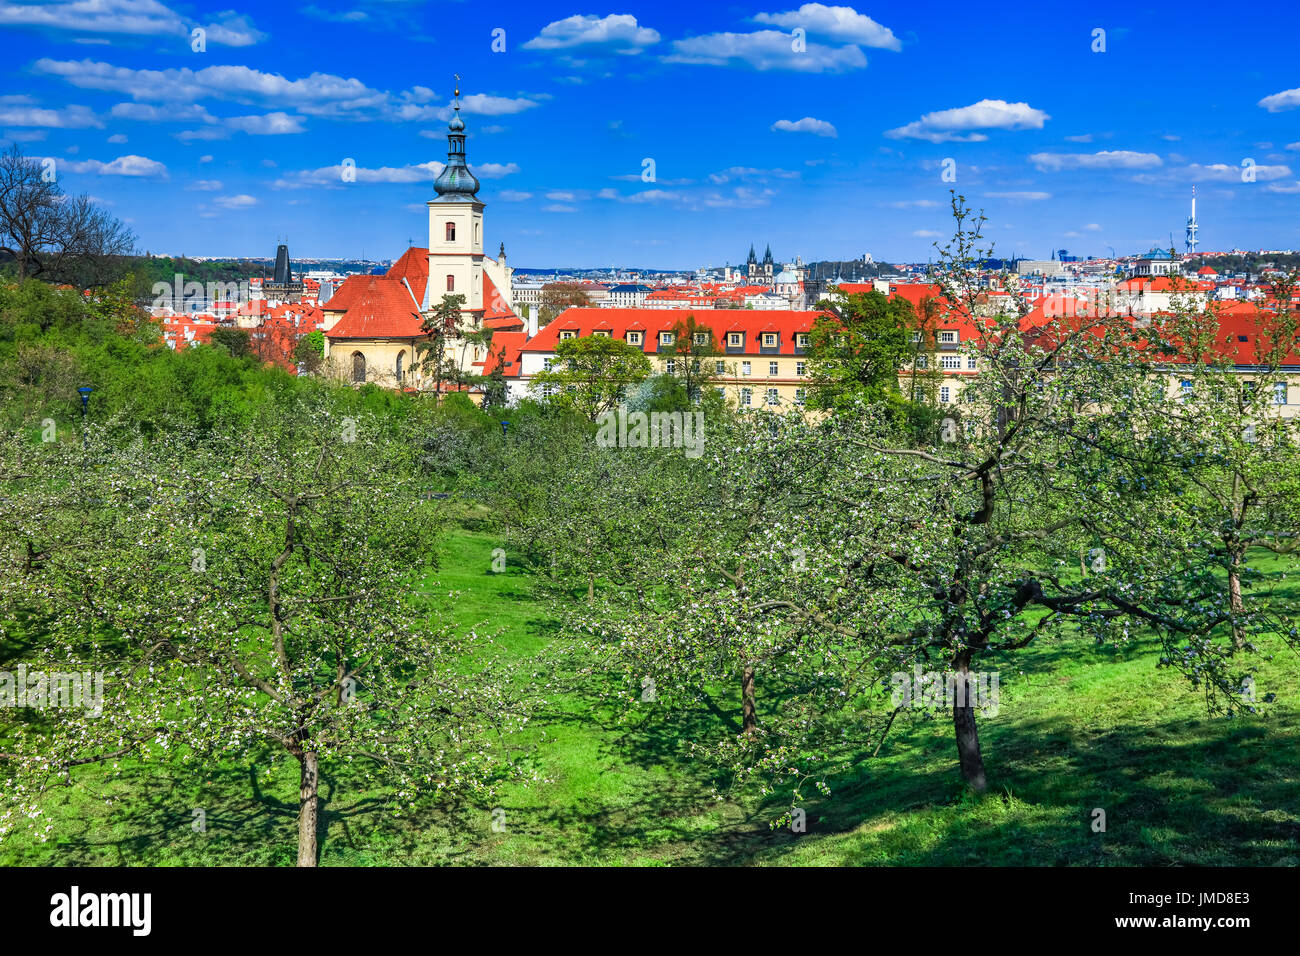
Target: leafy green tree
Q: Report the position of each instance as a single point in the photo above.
(247, 591)
(858, 349)
(235, 341)
(443, 327)
(310, 351)
(591, 374)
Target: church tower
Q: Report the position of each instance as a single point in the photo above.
(456, 226)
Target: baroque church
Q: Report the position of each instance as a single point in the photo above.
(373, 323)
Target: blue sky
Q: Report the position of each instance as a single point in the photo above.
(822, 130)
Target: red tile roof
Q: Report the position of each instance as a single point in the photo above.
(381, 308)
(505, 353)
(413, 266)
(653, 321)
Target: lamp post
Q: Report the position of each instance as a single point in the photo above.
(505, 426)
(84, 391)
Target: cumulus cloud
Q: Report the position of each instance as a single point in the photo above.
(1104, 159)
(1279, 102)
(128, 18)
(838, 23)
(320, 94)
(122, 166)
(69, 117)
(1224, 173)
(962, 125)
(806, 125)
(618, 32)
(242, 201)
(765, 50)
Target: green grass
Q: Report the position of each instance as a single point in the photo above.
(1080, 727)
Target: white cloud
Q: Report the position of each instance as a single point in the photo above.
(205, 185)
(838, 23)
(961, 125)
(69, 117)
(1292, 146)
(914, 204)
(1104, 159)
(557, 207)
(1278, 102)
(1224, 173)
(765, 50)
(127, 18)
(750, 173)
(320, 94)
(493, 170)
(806, 125)
(242, 201)
(927, 234)
(1022, 194)
(333, 175)
(619, 32)
(122, 166)
(513, 195)
(1081, 138)
(271, 124)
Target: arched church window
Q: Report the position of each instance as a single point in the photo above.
(358, 367)
(401, 366)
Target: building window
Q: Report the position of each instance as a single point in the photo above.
(920, 361)
(734, 338)
(947, 336)
(802, 340)
(720, 367)
(451, 283)
(945, 394)
(566, 333)
(773, 368)
(601, 333)
(401, 366)
(772, 397)
(769, 339)
(1187, 389)
(970, 363)
(701, 338)
(666, 338)
(358, 367)
(916, 338)
(950, 361)
(746, 396)
(799, 396)
(548, 364)
(671, 366)
(451, 232)
(744, 368)
(634, 338)
(1279, 393)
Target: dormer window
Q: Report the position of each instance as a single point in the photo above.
(566, 333)
(947, 336)
(802, 340)
(666, 338)
(735, 338)
(634, 338)
(769, 339)
(451, 232)
(601, 333)
(701, 338)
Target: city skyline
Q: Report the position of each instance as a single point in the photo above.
(661, 136)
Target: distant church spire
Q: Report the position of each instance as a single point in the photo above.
(456, 183)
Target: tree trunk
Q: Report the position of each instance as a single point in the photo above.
(1234, 594)
(749, 717)
(591, 586)
(963, 720)
(308, 806)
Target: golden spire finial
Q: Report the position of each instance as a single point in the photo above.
(457, 76)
